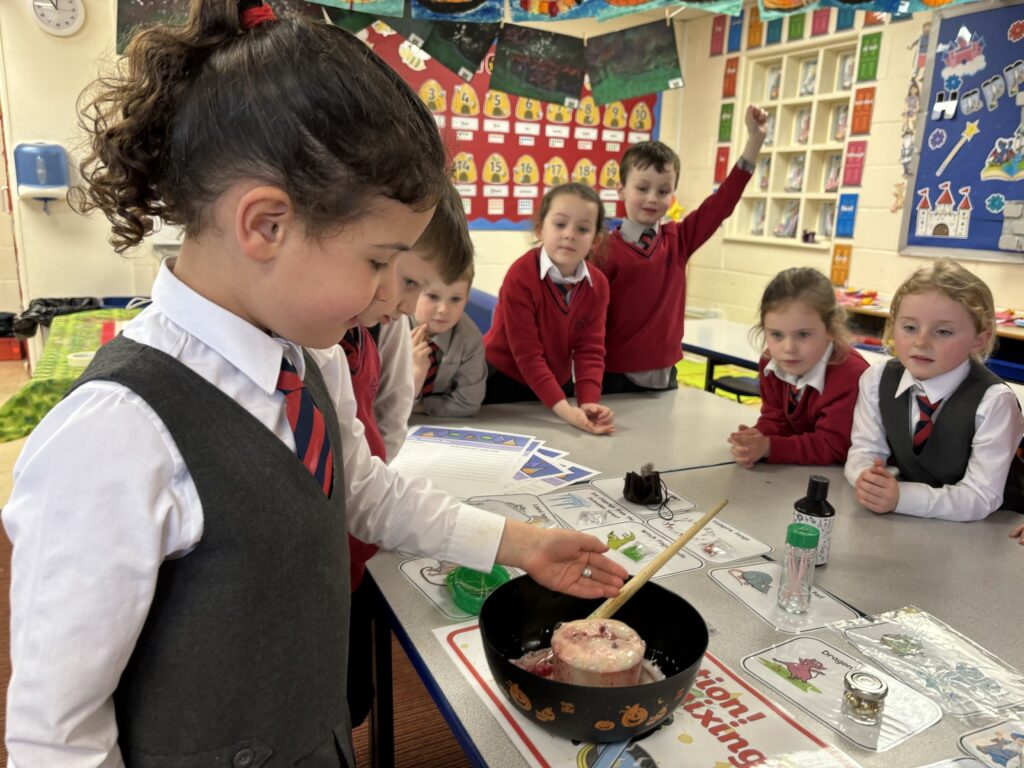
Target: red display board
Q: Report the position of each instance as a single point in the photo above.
(508, 150)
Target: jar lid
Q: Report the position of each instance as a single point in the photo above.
(866, 685)
(470, 588)
(802, 535)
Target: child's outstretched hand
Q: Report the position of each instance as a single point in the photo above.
(877, 489)
(560, 559)
(598, 414)
(1018, 533)
(756, 120)
(597, 423)
(749, 446)
(420, 356)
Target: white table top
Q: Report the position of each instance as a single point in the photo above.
(966, 574)
(695, 427)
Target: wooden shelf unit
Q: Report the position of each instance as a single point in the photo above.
(805, 87)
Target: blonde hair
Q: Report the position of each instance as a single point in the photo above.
(815, 290)
(949, 278)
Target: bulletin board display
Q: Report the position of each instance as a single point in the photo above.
(967, 199)
(508, 150)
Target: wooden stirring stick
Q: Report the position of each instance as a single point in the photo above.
(608, 608)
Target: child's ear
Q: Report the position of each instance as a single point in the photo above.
(263, 218)
(619, 190)
(981, 342)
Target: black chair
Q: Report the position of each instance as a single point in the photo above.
(740, 386)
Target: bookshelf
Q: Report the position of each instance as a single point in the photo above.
(807, 91)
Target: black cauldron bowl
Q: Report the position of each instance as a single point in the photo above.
(520, 616)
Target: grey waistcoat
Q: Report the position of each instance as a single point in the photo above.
(242, 659)
(944, 458)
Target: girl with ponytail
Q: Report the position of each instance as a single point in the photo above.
(180, 579)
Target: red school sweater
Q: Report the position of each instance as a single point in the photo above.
(538, 339)
(364, 365)
(648, 287)
(818, 431)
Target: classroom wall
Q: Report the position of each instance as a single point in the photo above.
(495, 251)
(731, 275)
(66, 254)
(62, 253)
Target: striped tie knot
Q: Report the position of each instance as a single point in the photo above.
(647, 237)
(312, 443)
(923, 428)
(428, 382)
(794, 398)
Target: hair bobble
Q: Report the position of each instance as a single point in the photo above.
(255, 15)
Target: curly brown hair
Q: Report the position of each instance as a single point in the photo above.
(301, 105)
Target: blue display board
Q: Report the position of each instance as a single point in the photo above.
(962, 198)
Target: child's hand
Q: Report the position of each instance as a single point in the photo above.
(749, 446)
(420, 356)
(877, 489)
(581, 420)
(756, 121)
(560, 559)
(1018, 533)
(600, 415)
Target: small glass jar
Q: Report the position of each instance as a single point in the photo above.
(864, 697)
(797, 575)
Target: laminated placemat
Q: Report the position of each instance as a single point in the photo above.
(809, 673)
(959, 675)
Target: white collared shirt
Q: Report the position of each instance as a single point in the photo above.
(102, 497)
(632, 230)
(814, 378)
(998, 430)
(548, 269)
(393, 404)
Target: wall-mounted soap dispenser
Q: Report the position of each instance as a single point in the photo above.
(41, 171)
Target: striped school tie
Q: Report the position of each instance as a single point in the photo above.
(794, 399)
(312, 442)
(428, 382)
(350, 343)
(923, 429)
(647, 237)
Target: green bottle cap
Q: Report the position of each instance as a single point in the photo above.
(802, 535)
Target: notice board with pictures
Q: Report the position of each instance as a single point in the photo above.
(965, 198)
(508, 150)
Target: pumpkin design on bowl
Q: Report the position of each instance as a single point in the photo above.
(604, 725)
(520, 698)
(568, 708)
(545, 715)
(633, 716)
(659, 714)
